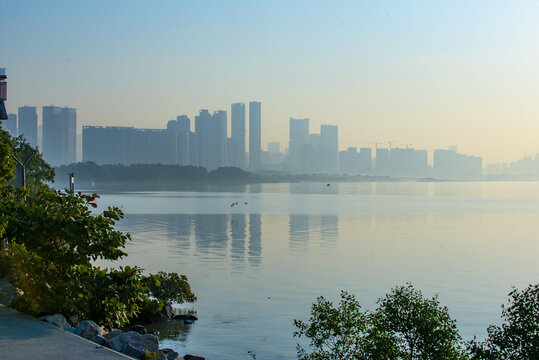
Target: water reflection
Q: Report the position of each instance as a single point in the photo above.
(255, 240)
(205, 236)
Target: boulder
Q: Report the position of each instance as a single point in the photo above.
(88, 329)
(193, 357)
(166, 313)
(132, 351)
(185, 317)
(57, 320)
(7, 291)
(171, 354)
(113, 334)
(138, 329)
(131, 341)
(100, 340)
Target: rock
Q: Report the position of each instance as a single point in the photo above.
(188, 322)
(144, 343)
(171, 354)
(88, 329)
(166, 313)
(138, 329)
(185, 317)
(132, 351)
(57, 320)
(193, 357)
(100, 340)
(74, 320)
(7, 291)
(154, 332)
(113, 334)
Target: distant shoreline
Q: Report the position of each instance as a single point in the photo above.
(95, 177)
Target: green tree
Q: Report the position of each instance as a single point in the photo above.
(49, 240)
(344, 332)
(38, 171)
(518, 336)
(422, 326)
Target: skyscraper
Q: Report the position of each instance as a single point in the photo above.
(299, 138)
(255, 134)
(182, 128)
(28, 124)
(211, 138)
(59, 135)
(238, 135)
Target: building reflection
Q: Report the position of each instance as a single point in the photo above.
(329, 230)
(210, 232)
(298, 230)
(238, 225)
(255, 240)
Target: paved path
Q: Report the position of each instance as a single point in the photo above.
(25, 338)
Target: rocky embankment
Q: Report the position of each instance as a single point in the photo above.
(134, 341)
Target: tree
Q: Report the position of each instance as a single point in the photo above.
(344, 332)
(405, 326)
(518, 336)
(48, 241)
(422, 326)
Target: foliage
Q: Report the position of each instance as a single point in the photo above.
(170, 287)
(422, 326)
(38, 171)
(518, 336)
(344, 332)
(7, 165)
(405, 326)
(48, 241)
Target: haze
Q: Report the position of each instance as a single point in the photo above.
(424, 73)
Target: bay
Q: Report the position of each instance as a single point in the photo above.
(257, 265)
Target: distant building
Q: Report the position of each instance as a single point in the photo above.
(449, 163)
(349, 161)
(182, 128)
(211, 138)
(237, 140)
(365, 160)
(299, 139)
(329, 141)
(382, 161)
(274, 147)
(28, 124)
(255, 134)
(10, 124)
(59, 135)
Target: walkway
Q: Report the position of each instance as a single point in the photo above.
(25, 338)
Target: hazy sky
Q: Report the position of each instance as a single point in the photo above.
(426, 73)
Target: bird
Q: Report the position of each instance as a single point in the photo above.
(246, 203)
(327, 184)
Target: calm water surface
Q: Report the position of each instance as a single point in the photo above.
(259, 264)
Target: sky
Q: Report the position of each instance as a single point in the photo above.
(424, 74)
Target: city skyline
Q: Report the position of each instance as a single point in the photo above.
(428, 74)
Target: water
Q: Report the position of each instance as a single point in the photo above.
(259, 264)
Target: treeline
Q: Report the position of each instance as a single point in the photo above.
(94, 175)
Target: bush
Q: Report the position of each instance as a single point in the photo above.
(48, 241)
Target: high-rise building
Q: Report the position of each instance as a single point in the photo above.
(211, 134)
(329, 141)
(59, 135)
(274, 147)
(382, 161)
(365, 160)
(10, 124)
(255, 134)
(28, 124)
(182, 128)
(237, 139)
(299, 139)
